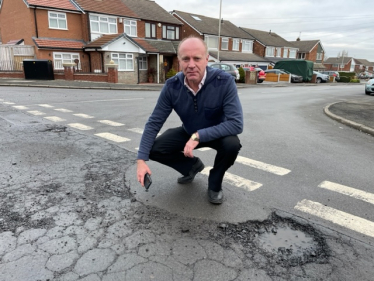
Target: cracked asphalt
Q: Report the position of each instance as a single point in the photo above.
(67, 213)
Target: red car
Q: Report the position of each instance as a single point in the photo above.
(261, 75)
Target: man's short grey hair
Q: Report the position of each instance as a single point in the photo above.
(201, 40)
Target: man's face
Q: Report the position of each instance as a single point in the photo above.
(193, 60)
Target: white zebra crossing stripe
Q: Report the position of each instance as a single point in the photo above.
(20, 107)
(80, 126)
(111, 123)
(46, 105)
(136, 130)
(204, 149)
(262, 166)
(36, 112)
(346, 190)
(338, 217)
(63, 110)
(112, 137)
(236, 180)
(54, 118)
(8, 102)
(83, 115)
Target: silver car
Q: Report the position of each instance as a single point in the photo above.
(369, 87)
(321, 77)
(227, 67)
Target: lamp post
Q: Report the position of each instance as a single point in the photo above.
(219, 28)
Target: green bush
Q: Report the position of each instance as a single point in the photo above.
(171, 73)
(345, 79)
(355, 81)
(347, 74)
(242, 75)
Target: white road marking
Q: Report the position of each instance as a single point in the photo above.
(109, 100)
(20, 107)
(46, 105)
(338, 217)
(346, 190)
(1, 100)
(83, 115)
(136, 130)
(236, 180)
(204, 149)
(80, 126)
(112, 137)
(36, 112)
(262, 166)
(8, 102)
(111, 123)
(54, 118)
(63, 110)
(136, 148)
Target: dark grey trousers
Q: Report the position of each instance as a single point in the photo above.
(168, 150)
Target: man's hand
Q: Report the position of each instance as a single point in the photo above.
(189, 147)
(142, 169)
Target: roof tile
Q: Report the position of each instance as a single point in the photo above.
(58, 43)
(110, 7)
(58, 4)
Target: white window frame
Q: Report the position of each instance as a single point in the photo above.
(319, 56)
(131, 26)
(292, 54)
(60, 17)
(285, 53)
(150, 30)
(270, 51)
(123, 59)
(224, 43)
(143, 63)
(100, 21)
(59, 58)
(247, 46)
(235, 44)
(212, 39)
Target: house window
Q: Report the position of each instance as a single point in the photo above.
(301, 56)
(125, 61)
(57, 20)
(292, 54)
(279, 52)
(270, 51)
(225, 44)
(60, 58)
(235, 44)
(170, 32)
(247, 46)
(103, 24)
(150, 30)
(130, 27)
(143, 65)
(319, 56)
(212, 42)
(285, 53)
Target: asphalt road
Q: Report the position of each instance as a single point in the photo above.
(295, 161)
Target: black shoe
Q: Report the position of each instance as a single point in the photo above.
(215, 197)
(196, 168)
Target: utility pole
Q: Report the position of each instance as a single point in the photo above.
(219, 29)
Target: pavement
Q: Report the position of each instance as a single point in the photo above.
(68, 212)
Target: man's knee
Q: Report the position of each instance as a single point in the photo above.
(231, 145)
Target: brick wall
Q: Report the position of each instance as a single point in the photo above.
(258, 49)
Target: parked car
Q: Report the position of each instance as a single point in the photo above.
(261, 75)
(294, 78)
(365, 75)
(332, 73)
(369, 87)
(227, 67)
(321, 77)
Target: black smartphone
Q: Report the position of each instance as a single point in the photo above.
(147, 181)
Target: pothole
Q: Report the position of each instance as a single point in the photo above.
(279, 240)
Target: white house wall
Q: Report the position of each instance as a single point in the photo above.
(123, 45)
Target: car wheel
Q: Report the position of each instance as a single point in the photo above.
(259, 81)
(367, 93)
(319, 80)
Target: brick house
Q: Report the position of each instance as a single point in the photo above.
(340, 64)
(136, 35)
(311, 50)
(271, 46)
(228, 45)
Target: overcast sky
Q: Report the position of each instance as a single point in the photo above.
(340, 25)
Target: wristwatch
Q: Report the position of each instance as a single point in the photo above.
(194, 137)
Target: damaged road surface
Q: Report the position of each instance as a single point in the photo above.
(67, 213)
